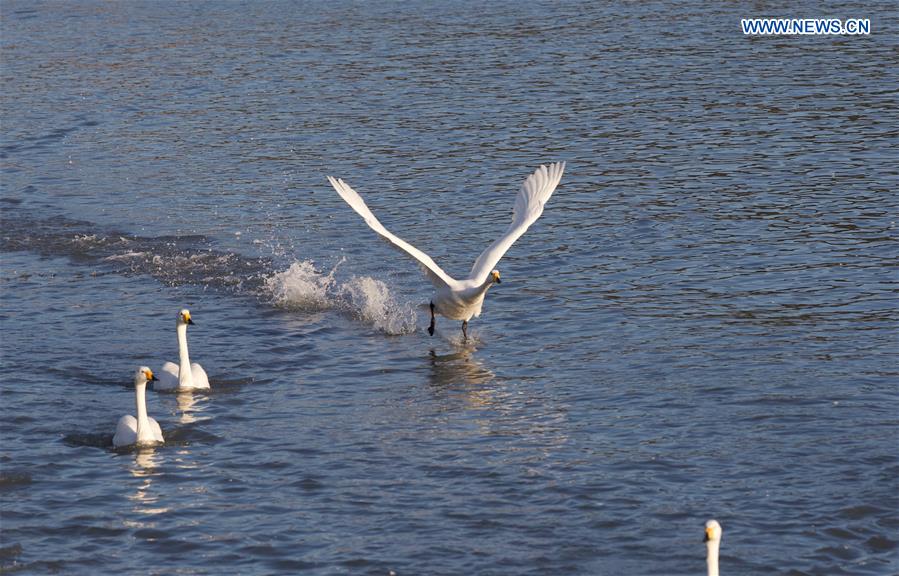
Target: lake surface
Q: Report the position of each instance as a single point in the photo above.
(703, 323)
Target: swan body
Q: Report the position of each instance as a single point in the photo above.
(712, 543)
(185, 375)
(463, 299)
(172, 374)
(143, 430)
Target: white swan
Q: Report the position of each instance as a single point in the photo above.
(143, 430)
(185, 376)
(712, 542)
(462, 299)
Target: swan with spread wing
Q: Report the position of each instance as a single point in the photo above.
(462, 299)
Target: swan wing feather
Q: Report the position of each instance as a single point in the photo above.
(435, 274)
(157, 431)
(125, 431)
(201, 380)
(534, 193)
(167, 378)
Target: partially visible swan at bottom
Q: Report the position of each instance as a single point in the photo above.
(143, 430)
(183, 376)
(712, 543)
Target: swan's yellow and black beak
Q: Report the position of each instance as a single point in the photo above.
(150, 376)
(708, 534)
(496, 277)
(187, 318)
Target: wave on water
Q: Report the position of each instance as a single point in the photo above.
(172, 260)
(191, 260)
(303, 287)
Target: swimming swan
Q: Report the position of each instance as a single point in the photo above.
(143, 430)
(462, 299)
(712, 542)
(187, 376)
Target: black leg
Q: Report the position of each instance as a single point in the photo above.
(431, 327)
(465, 330)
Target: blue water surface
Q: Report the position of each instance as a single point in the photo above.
(702, 324)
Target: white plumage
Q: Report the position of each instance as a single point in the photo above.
(182, 376)
(463, 299)
(142, 430)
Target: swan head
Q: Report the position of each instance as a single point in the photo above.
(712, 531)
(495, 276)
(184, 317)
(143, 375)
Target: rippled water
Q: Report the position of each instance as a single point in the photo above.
(702, 324)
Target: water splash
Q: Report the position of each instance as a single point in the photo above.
(372, 302)
(303, 287)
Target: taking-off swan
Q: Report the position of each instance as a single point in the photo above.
(462, 299)
(184, 376)
(712, 543)
(143, 430)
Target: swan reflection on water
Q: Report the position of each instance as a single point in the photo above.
(498, 405)
(458, 368)
(145, 500)
(188, 405)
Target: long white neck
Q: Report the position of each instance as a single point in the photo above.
(144, 433)
(712, 556)
(185, 378)
(486, 285)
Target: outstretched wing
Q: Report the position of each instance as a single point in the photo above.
(435, 274)
(534, 193)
